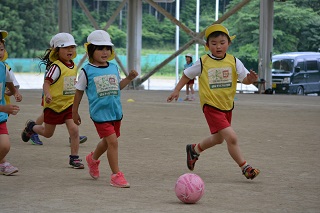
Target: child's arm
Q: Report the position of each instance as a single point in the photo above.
(76, 102)
(9, 109)
(250, 78)
(46, 91)
(128, 79)
(14, 91)
(175, 94)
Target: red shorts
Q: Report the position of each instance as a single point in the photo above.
(54, 118)
(217, 120)
(3, 128)
(190, 82)
(108, 128)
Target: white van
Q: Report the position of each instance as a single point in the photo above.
(296, 73)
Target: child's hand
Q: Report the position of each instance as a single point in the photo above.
(11, 109)
(173, 96)
(48, 98)
(18, 97)
(76, 118)
(252, 76)
(8, 92)
(132, 74)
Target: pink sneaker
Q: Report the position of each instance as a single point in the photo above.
(93, 166)
(7, 169)
(118, 180)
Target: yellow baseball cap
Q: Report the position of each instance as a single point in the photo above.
(215, 28)
(4, 34)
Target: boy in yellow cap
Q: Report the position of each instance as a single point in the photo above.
(218, 73)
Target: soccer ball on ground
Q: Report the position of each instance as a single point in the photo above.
(189, 188)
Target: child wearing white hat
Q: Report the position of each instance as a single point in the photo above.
(189, 85)
(101, 80)
(59, 90)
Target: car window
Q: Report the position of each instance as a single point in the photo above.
(301, 65)
(312, 65)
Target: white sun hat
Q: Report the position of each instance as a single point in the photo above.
(61, 40)
(100, 38)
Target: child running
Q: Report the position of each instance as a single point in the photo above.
(59, 90)
(101, 81)
(218, 73)
(6, 80)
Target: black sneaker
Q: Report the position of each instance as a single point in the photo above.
(192, 156)
(27, 131)
(76, 163)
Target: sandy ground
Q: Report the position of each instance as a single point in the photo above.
(277, 134)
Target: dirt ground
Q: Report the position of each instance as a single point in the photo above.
(278, 134)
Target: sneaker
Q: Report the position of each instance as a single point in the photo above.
(27, 132)
(250, 173)
(93, 166)
(7, 169)
(81, 138)
(192, 156)
(76, 163)
(118, 180)
(35, 139)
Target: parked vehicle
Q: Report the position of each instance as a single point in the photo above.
(296, 73)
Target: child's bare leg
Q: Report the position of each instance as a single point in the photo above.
(40, 119)
(211, 141)
(4, 147)
(73, 130)
(187, 89)
(191, 89)
(233, 147)
(47, 130)
(112, 153)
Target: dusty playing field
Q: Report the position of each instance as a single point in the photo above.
(280, 135)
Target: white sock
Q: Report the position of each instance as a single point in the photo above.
(244, 166)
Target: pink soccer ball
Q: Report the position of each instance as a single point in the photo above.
(189, 188)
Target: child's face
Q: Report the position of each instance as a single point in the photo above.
(66, 54)
(218, 46)
(2, 51)
(188, 59)
(101, 55)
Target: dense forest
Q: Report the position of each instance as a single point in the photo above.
(32, 23)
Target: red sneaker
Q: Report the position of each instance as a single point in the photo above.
(93, 166)
(118, 180)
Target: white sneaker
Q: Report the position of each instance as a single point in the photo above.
(7, 169)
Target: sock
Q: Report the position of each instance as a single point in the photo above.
(243, 165)
(198, 149)
(73, 156)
